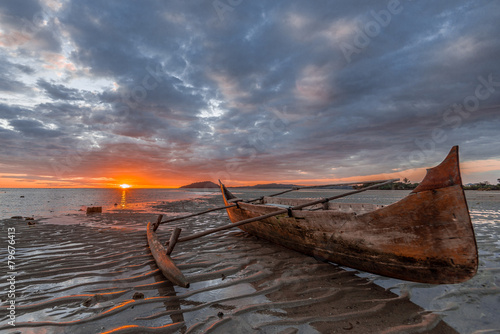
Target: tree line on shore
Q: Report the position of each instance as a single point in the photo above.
(485, 185)
(404, 185)
(407, 185)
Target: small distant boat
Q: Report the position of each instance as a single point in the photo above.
(425, 237)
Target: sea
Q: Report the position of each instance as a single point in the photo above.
(470, 307)
(50, 202)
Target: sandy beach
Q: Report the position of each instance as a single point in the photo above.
(95, 274)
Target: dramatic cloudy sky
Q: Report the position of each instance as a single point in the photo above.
(163, 93)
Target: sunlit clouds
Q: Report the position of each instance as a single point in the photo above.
(166, 93)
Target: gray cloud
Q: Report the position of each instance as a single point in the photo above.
(266, 86)
(33, 128)
(25, 69)
(8, 77)
(59, 92)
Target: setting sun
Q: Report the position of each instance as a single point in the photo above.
(125, 186)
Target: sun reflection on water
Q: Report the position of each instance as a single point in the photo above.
(123, 202)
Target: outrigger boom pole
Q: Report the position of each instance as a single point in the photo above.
(282, 211)
(157, 224)
(162, 255)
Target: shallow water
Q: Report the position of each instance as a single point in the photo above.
(50, 202)
(79, 274)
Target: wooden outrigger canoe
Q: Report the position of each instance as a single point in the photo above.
(425, 237)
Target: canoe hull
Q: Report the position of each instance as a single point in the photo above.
(426, 237)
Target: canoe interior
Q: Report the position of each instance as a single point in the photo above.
(357, 208)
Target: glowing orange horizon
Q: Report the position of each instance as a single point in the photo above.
(471, 170)
(10, 180)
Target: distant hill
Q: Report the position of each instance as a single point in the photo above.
(203, 184)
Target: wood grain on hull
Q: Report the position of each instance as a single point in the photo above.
(426, 237)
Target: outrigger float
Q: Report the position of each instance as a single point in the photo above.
(425, 237)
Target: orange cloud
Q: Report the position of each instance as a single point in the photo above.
(13, 39)
(480, 166)
(56, 61)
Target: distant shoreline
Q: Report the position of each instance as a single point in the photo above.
(482, 186)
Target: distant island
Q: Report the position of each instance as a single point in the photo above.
(201, 185)
(210, 184)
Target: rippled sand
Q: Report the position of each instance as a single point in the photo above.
(95, 274)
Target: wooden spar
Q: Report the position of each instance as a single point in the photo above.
(173, 240)
(328, 199)
(344, 184)
(194, 214)
(163, 261)
(158, 221)
(313, 187)
(226, 227)
(282, 211)
(155, 226)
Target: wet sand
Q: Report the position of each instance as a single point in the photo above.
(95, 274)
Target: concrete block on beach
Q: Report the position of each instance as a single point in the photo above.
(94, 209)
